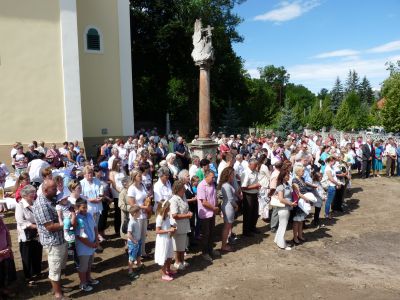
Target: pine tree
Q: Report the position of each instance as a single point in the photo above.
(363, 119)
(288, 120)
(315, 120)
(352, 82)
(365, 92)
(230, 120)
(337, 95)
(391, 109)
(343, 119)
(327, 114)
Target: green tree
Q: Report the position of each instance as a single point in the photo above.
(352, 82)
(230, 120)
(288, 120)
(337, 95)
(327, 114)
(375, 115)
(391, 109)
(365, 92)
(323, 93)
(315, 120)
(343, 119)
(276, 77)
(165, 76)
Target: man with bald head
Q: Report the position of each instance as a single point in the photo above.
(51, 234)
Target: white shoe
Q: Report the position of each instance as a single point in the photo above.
(287, 248)
(185, 264)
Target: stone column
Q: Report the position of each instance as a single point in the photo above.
(204, 103)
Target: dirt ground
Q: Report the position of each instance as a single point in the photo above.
(356, 256)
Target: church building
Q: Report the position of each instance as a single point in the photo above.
(65, 71)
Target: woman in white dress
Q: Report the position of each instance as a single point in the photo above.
(164, 251)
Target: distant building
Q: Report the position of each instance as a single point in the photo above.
(381, 103)
(65, 71)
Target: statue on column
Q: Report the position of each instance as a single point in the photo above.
(203, 52)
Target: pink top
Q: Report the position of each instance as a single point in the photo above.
(206, 192)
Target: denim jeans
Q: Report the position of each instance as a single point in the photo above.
(331, 196)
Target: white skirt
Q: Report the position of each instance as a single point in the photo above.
(163, 249)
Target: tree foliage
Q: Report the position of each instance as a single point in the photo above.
(365, 92)
(352, 82)
(391, 109)
(288, 120)
(337, 95)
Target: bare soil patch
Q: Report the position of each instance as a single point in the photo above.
(356, 256)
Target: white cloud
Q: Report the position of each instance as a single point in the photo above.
(288, 10)
(388, 47)
(338, 53)
(319, 75)
(254, 73)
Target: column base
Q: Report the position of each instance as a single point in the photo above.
(203, 147)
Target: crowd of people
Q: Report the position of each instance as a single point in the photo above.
(64, 199)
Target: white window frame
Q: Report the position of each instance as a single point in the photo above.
(101, 51)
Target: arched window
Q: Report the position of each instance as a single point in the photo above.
(93, 40)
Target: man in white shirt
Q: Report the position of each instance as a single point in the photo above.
(250, 187)
(240, 165)
(391, 157)
(131, 159)
(35, 168)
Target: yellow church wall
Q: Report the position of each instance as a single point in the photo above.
(31, 82)
(99, 72)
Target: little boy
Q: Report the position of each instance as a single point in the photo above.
(134, 243)
(85, 247)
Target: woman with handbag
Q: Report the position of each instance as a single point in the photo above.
(300, 188)
(29, 245)
(284, 194)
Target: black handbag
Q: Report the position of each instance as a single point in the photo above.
(31, 234)
(124, 227)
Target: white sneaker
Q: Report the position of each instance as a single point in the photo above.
(185, 264)
(288, 248)
(85, 287)
(93, 282)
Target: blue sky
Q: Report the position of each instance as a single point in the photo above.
(318, 40)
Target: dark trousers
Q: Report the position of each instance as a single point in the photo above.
(103, 216)
(117, 217)
(316, 215)
(366, 168)
(207, 234)
(31, 256)
(194, 221)
(250, 212)
(338, 200)
(390, 166)
(8, 272)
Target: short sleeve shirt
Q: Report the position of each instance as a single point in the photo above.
(134, 228)
(89, 225)
(205, 192)
(250, 178)
(44, 212)
(179, 206)
(140, 196)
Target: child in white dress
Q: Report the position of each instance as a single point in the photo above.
(164, 251)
